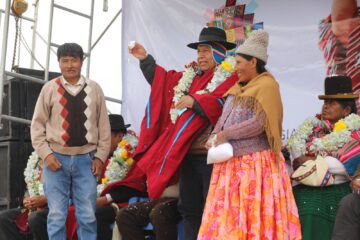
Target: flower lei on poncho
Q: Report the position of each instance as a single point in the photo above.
(121, 161)
(32, 178)
(331, 138)
(222, 72)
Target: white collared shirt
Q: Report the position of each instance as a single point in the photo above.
(73, 88)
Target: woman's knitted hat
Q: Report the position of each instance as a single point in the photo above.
(255, 45)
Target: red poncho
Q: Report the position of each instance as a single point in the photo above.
(162, 144)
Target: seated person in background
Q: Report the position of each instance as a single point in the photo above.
(118, 131)
(332, 140)
(105, 212)
(35, 205)
(161, 213)
(347, 222)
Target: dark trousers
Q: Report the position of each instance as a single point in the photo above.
(194, 185)
(37, 224)
(162, 214)
(105, 217)
(347, 222)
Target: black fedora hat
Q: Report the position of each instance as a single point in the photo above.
(212, 34)
(338, 87)
(117, 123)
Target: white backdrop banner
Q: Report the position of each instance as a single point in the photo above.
(165, 27)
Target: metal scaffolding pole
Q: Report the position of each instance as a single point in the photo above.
(5, 74)
(49, 41)
(3, 53)
(23, 17)
(90, 38)
(107, 28)
(34, 29)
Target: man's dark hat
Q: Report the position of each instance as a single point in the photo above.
(212, 34)
(117, 123)
(338, 87)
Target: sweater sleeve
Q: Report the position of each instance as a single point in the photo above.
(104, 141)
(147, 67)
(217, 127)
(246, 129)
(121, 194)
(197, 108)
(38, 125)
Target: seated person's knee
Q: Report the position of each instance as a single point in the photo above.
(348, 201)
(3, 218)
(163, 213)
(155, 215)
(33, 219)
(124, 217)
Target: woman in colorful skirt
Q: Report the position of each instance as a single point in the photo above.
(325, 151)
(250, 194)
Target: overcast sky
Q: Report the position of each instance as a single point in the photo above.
(105, 61)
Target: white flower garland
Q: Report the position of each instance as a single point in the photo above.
(32, 178)
(121, 161)
(222, 72)
(323, 145)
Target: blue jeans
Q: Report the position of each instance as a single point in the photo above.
(75, 181)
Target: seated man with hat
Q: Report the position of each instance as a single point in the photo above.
(175, 118)
(332, 138)
(105, 213)
(118, 130)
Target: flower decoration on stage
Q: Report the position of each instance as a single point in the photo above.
(316, 136)
(340, 125)
(121, 161)
(32, 175)
(222, 72)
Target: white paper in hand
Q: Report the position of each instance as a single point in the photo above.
(131, 44)
(335, 166)
(181, 111)
(220, 153)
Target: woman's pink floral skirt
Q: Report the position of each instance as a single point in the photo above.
(250, 197)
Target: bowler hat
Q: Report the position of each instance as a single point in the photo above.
(338, 87)
(117, 123)
(212, 34)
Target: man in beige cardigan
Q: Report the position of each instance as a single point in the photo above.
(70, 131)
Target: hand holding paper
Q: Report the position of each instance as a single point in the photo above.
(131, 44)
(137, 50)
(221, 153)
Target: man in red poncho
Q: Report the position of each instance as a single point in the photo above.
(173, 120)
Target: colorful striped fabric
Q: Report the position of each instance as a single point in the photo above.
(349, 154)
(342, 59)
(334, 53)
(353, 54)
(218, 51)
